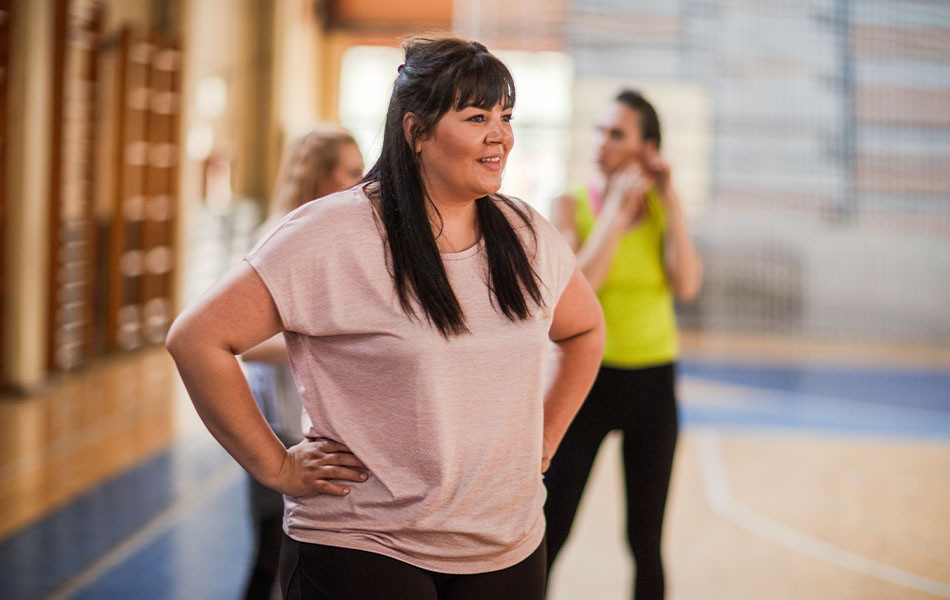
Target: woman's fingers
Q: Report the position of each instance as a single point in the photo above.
(634, 172)
(335, 454)
(325, 487)
(631, 184)
(339, 452)
(346, 460)
(657, 168)
(330, 446)
(340, 473)
(325, 480)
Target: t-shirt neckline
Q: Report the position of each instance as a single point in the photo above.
(462, 255)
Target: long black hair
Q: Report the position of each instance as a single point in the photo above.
(439, 74)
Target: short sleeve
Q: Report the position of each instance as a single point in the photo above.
(317, 259)
(561, 255)
(284, 260)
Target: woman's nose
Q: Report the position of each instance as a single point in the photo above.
(499, 133)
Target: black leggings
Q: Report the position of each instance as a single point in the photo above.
(642, 404)
(316, 572)
(263, 574)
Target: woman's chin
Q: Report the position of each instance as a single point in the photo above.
(489, 189)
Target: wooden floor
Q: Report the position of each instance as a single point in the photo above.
(756, 516)
(778, 492)
(85, 427)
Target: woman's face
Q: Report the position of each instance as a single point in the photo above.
(348, 171)
(619, 138)
(464, 155)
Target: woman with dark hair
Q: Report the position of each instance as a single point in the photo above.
(322, 161)
(633, 246)
(418, 309)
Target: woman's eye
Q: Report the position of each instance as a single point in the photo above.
(477, 118)
(506, 118)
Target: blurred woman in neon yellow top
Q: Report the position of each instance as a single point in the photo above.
(633, 245)
(635, 293)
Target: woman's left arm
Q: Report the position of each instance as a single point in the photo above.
(684, 267)
(681, 261)
(577, 331)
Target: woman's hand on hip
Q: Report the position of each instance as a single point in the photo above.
(314, 465)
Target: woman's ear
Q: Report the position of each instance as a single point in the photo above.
(410, 125)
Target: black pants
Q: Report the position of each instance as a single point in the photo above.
(642, 404)
(267, 512)
(263, 573)
(316, 572)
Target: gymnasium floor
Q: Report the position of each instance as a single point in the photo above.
(802, 472)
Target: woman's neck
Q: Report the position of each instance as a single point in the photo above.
(454, 224)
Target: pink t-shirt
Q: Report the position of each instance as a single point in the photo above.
(450, 429)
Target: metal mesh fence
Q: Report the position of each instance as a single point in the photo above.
(814, 142)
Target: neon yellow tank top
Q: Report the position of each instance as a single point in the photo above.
(635, 296)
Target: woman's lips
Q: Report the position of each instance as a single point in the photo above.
(492, 163)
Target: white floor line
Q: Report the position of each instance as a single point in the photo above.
(224, 477)
(720, 499)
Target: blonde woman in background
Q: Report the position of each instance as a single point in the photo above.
(320, 162)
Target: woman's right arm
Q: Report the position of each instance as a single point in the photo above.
(235, 315)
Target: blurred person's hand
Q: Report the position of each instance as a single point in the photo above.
(625, 196)
(657, 170)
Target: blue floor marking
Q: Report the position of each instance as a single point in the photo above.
(206, 555)
(902, 402)
(38, 559)
(843, 423)
(913, 388)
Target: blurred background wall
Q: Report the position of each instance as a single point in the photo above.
(140, 138)
(813, 139)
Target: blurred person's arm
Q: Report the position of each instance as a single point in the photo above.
(681, 260)
(577, 331)
(623, 200)
(272, 351)
(235, 315)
